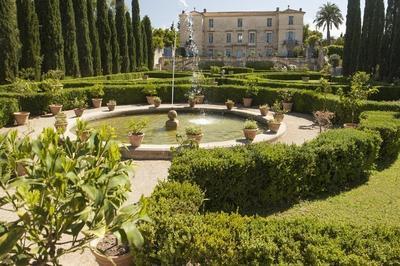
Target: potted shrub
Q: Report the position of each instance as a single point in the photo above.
(98, 94)
(229, 104)
(250, 129)
(251, 92)
(360, 90)
(21, 118)
(82, 130)
(54, 88)
(194, 133)
(274, 125)
(279, 112)
(111, 105)
(61, 122)
(264, 109)
(192, 101)
(150, 92)
(136, 131)
(198, 82)
(157, 102)
(287, 101)
(80, 107)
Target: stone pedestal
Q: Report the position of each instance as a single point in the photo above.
(172, 123)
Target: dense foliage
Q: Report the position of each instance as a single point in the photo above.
(7, 108)
(352, 37)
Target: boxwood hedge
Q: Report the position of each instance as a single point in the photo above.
(7, 108)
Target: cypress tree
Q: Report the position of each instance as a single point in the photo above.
(120, 23)
(9, 41)
(136, 28)
(371, 36)
(104, 35)
(69, 33)
(352, 37)
(28, 26)
(52, 43)
(395, 47)
(149, 42)
(131, 43)
(82, 38)
(144, 62)
(116, 64)
(387, 41)
(94, 38)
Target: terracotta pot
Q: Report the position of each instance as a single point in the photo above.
(247, 102)
(102, 260)
(196, 138)
(157, 104)
(192, 104)
(55, 108)
(305, 79)
(150, 99)
(250, 134)
(264, 111)
(199, 99)
(279, 117)
(274, 126)
(21, 118)
(229, 105)
(350, 125)
(97, 102)
(136, 140)
(61, 127)
(111, 107)
(79, 111)
(287, 107)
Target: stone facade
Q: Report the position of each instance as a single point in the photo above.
(239, 35)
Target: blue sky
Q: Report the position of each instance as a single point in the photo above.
(163, 12)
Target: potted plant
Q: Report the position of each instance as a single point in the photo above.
(198, 82)
(111, 105)
(136, 131)
(61, 122)
(274, 125)
(54, 88)
(229, 104)
(21, 118)
(82, 130)
(264, 109)
(250, 129)
(360, 90)
(194, 133)
(80, 107)
(150, 92)
(157, 102)
(192, 100)
(251, 91)
(279, 112)
(287, 101)
(98, 94)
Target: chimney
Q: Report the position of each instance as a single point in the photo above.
(277, 9)
(183, 11)
(204, 10)
(301, 9)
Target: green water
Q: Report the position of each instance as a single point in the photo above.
(216, 127)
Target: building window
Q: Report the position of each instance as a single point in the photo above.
(290, 36)
(211, 23)
(291, 20)
(269, 22)
(210, 53)
(228, 52)
(239, 54)
(240, 22)
(269, 52)
(252, 38)
(240, 38)
(269, 37)
(210, 38)
(228, 37)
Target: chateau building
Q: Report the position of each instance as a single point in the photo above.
(237, 35)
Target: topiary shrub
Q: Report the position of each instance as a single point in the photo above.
(7, 108)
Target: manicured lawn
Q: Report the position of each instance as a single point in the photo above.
(376, 202)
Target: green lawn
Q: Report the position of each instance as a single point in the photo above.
(376, 202)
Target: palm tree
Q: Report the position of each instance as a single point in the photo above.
(328, 15)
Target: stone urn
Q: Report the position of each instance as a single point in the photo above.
(21, 118)
(199, 99)
(55, 108)
(247, 102)
(172, 123)
(279, 117)
(250, 134)
(264, 110)
(150, 99)
(97, 102)
(274, 126)
(136, 140)
(79, 111)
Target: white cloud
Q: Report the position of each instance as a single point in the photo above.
(184, 3)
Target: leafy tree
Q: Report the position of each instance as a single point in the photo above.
(131, 43)
(328, 15)
(395, 46)
(28, 26)
(145, 56)
(120, 22)
(149, 41)
(94, 38)
(116, 62)
(69, 34)
(52, 43)
(352, 37)
(103, 27)
(83, 38)
(371, 36)
(137, 31)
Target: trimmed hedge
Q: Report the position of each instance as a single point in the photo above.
(387, 124)
(237, 70)
(260, 65)
(206, 65)
(261, 177)
(182, 236)
(7, 108)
